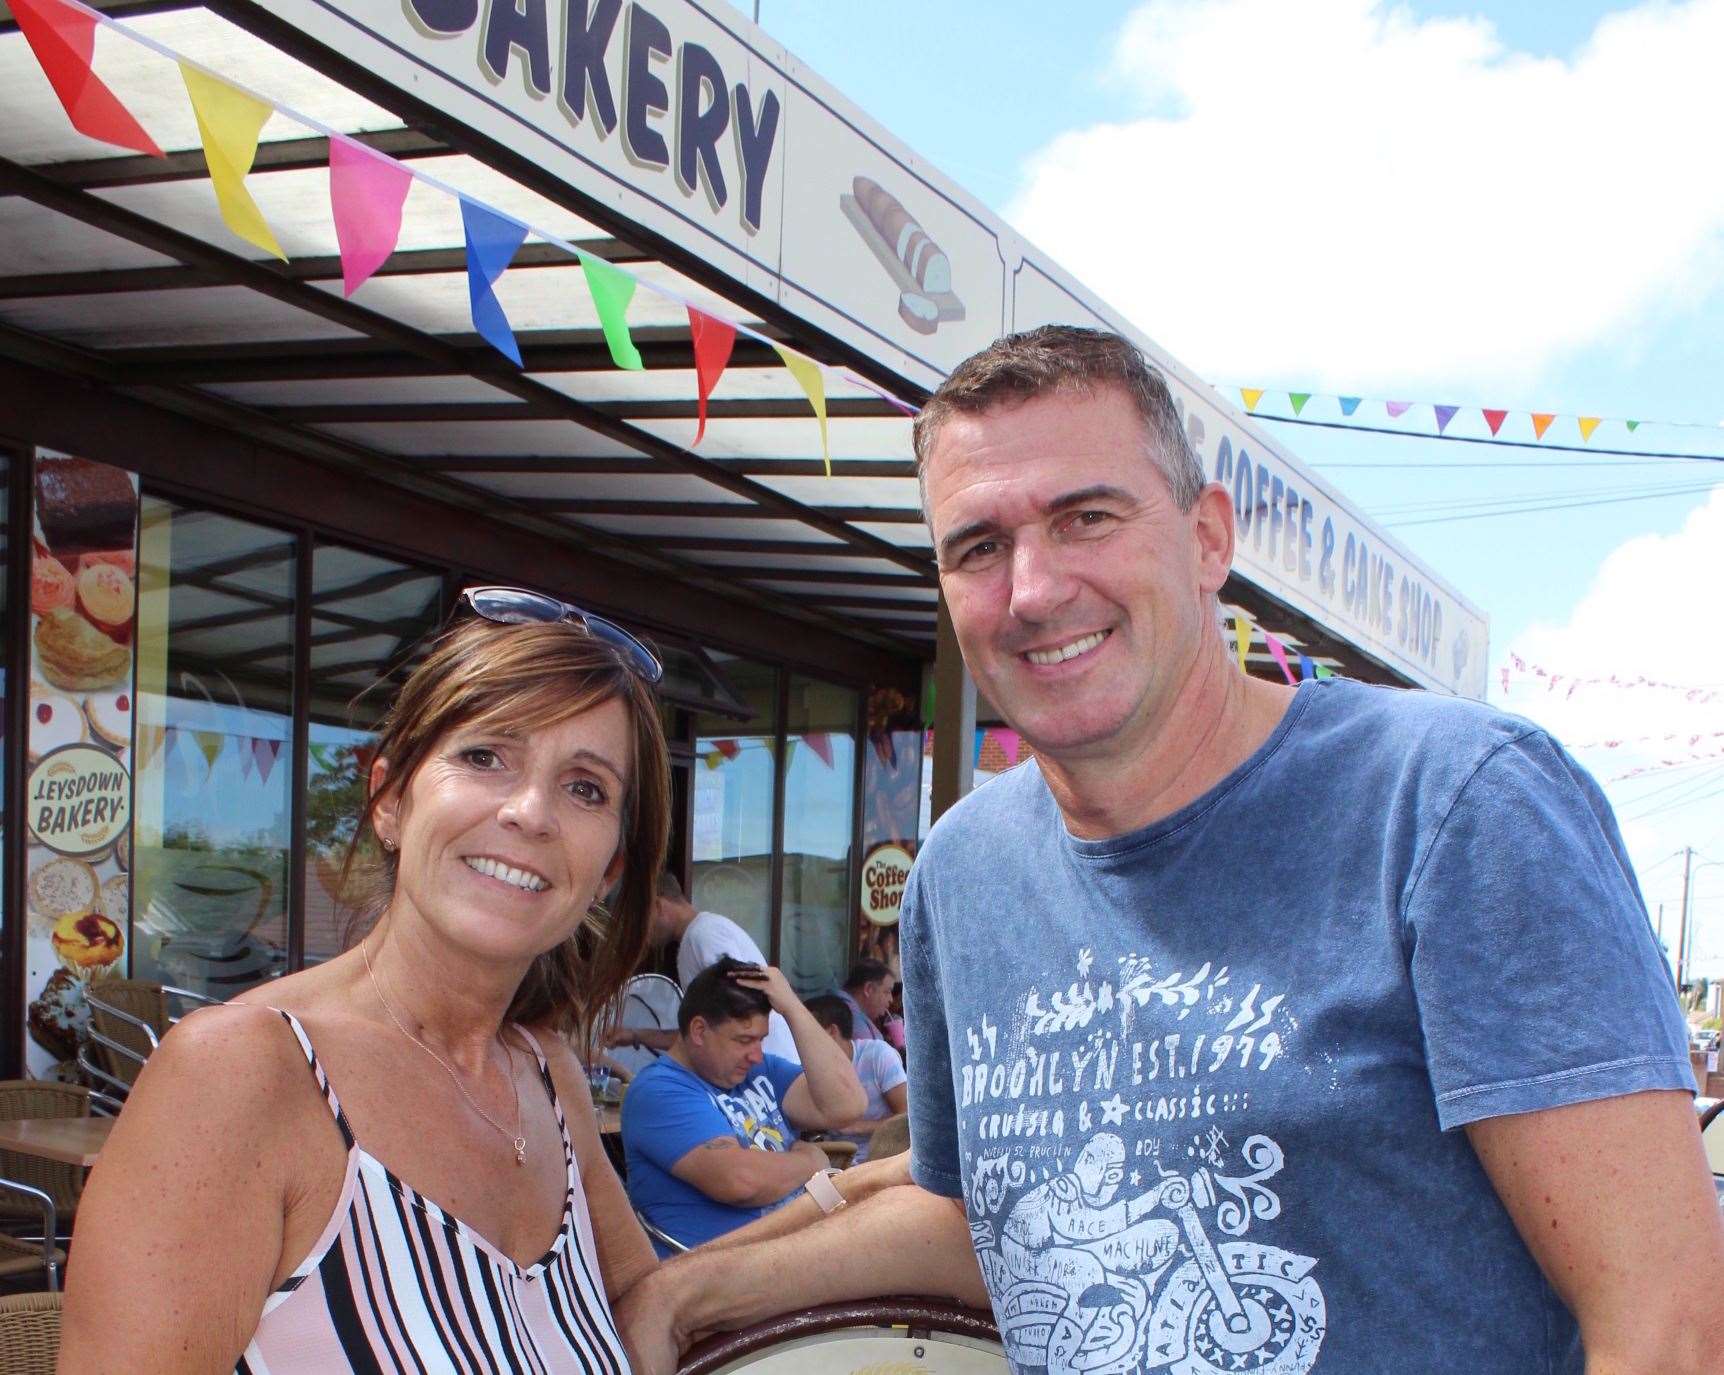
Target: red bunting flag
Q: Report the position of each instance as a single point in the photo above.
(64, 41)
(821, 743)
(713, 341)
(1495, 420)
(728, 748)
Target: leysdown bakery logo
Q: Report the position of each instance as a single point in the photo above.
(78, 800)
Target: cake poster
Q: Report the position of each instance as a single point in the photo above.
(78, 794)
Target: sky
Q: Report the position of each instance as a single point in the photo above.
(1497, 204)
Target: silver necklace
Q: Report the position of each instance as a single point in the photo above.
(514, 1138)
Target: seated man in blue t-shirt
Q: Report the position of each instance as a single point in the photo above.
(709, 1129)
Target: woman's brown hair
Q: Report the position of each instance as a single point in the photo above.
(533, 676)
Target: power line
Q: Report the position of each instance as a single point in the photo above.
(1553, 506)
(1491, 443)
(1437, 467)
(1474, 501)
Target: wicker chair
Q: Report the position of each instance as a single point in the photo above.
(19, 1256)
(20, 1098)
(29, 1333)
(891, 1137)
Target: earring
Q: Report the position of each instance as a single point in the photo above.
(388, 844)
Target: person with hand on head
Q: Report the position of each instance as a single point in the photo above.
(877, 1066)
(702, 939)
(389, 1162)
(709, 1129)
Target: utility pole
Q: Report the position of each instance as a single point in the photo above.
(1682, 930)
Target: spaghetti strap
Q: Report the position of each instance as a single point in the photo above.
(322, 1078)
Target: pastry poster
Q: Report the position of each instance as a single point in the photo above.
(78, 793)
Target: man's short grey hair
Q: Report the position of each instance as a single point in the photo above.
(1064, 358)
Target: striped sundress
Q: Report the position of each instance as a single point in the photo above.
(395, 1286)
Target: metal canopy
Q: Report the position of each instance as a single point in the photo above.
(119, 270)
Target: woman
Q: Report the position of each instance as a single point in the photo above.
(389, 1162)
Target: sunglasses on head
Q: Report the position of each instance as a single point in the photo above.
(517, 606)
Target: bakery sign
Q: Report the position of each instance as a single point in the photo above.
(78, 800)
(616, 71)
(884, 874)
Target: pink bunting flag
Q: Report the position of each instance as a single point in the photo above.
(366, 194)
(247, 758)
(1011, 743)
(1396, 409)
(266, 752)
(821, 743)
(1279, 652)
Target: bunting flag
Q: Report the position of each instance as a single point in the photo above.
(1397, 408)
(320, 755)
(1279, 652)
(210, 743)
(612, 289)
(492, 242)
(1495, 420)
(1696, 695)
(713, 340)
(821, 743)
(729, 749)
(1633, 425)
(1588, 423)
(1306, 668)
(1010, 742)
(1241, 640)
(1444, 415)
(366, 194)
(1349, 404)
(229, 122)
(1325, 672)
(64, 42)
(247, 760)
(266, 753)
(813, 383)
(1298, 399)
(1251, 396)
(981, 739)
(1541, 423)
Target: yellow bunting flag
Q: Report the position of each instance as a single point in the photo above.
(813, 383)
(1251, 396)
(229, 122)
(1588, 423)
(1241, 640)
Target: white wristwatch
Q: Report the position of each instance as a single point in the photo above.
(824, 1192)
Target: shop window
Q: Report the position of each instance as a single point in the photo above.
(734, 776)
(213, 791)
(819, 798)
(370, 622)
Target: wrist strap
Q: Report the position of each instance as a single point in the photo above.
(824, 1192)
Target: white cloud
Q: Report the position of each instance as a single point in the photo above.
(1337, 192)
(1646, 614)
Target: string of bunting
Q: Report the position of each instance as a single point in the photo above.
(1515, 667)
(1353, 408)
(367, 193)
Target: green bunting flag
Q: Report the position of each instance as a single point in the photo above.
(612, 290)
(1298, 399)
(1633, 425)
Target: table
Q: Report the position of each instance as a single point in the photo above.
(610, 1117)
(69, 1140)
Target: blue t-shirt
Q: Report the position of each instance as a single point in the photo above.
(669, 1110)
(1238, 1041)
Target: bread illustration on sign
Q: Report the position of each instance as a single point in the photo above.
(62, 888)
(916, 264)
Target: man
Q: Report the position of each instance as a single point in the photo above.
(709, 1130)
(877, 1067)
(868, 992)
(1233, 1009)
(703, 938)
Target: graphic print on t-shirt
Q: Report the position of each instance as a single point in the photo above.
(1123, 1214)
(753, 1111)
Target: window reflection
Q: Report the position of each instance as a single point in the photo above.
(819, 798)
(734, 776)
(213, 798)
(370, 617)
